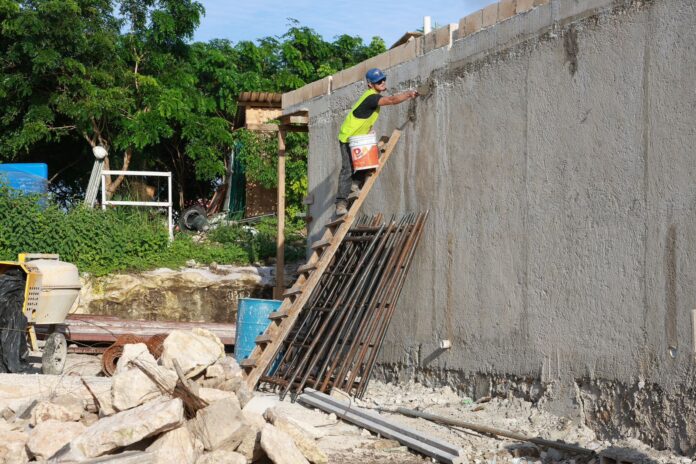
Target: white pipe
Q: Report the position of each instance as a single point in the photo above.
(138, 203)
(171, 223)
(137, 173)
(427, 25)
(103, 198)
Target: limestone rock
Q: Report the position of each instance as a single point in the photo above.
(221, 424)
(48, 410)
(221, 457)
(133, 387)
(19, 390)
(244, 394)
(304, 443)
(250, 446)
(230, 367)
(175, 446)
(280, 447)
(254, 419)
(13, 446)
(195, 350)
(133, 351)
(211, 395)
(51, 435)
(181, 295)
(127, 457)
(215, 371)
(232, 384)
(88, 418)
(125, 428)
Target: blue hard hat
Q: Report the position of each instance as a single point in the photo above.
(374, 75)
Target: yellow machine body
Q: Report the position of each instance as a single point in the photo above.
(52, 288)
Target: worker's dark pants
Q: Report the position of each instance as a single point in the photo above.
(347, 176)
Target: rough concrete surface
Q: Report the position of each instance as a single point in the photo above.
(555, 153)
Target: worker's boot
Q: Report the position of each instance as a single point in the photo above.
(354, 190)
(341, 208)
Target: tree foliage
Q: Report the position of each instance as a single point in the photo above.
(125, 75)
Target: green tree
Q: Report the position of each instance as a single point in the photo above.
(124, 75)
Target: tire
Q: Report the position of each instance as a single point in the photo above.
(193, 219)
(54, 355)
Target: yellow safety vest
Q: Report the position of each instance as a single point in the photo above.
(355, 126)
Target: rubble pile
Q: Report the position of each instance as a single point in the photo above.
(186, 407)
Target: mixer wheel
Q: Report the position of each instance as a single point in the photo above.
(54, 354)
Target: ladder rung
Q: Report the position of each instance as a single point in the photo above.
(336, 222)
(321, 244)
(307, 267)
(291, 292)
(278, 315)
(248, 362)
(264, 338)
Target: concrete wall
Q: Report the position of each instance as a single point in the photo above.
(556, 154)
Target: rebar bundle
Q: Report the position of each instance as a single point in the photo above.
(336, 339)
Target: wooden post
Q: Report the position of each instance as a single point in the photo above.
(280, 242)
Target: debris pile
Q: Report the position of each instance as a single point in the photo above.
(188, 407)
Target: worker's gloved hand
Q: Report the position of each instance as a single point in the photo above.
(412, 93)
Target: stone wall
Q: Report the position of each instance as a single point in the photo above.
(194, 294)
(555, 153)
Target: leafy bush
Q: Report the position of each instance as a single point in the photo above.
(259, 240)
(100, 242)
(121, 239)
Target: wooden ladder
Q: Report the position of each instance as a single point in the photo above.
(269, 343)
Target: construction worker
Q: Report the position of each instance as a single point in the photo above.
(359, 121)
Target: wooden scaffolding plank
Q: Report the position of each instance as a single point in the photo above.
(291, 307)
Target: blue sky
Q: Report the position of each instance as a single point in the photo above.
(253, 19)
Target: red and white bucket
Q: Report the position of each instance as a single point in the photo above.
(364, 152)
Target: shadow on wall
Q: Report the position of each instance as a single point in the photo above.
(324, 195)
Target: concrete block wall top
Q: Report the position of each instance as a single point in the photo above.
(443, 37)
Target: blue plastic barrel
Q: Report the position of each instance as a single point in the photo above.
(25, 177)
(252, 320)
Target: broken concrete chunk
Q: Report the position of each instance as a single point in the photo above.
(280, 447)
(221, 457)
(304, 443)
(194, 350)
(175, 446)
(125, 428)
(51, 435)
(220, 424)
(47, 410)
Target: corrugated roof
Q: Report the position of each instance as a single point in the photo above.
(260, 97)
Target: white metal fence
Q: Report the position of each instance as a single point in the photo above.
(158, 204)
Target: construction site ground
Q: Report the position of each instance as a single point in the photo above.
(345, 443)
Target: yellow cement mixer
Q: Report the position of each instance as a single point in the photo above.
(47, 289)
